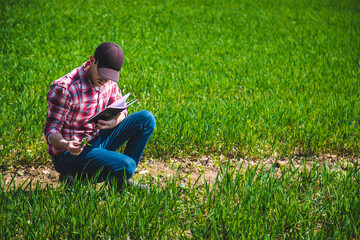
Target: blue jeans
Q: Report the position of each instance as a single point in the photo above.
(101, 156)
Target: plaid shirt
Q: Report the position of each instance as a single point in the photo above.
(72, 100)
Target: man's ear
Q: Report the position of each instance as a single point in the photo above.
(92, 59)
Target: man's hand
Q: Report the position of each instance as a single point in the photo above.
(107, 124)
(112, 122)
(75, 147)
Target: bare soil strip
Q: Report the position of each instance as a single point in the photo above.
(189, 169)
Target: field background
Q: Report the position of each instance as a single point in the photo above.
(237, 87)
(245, 78)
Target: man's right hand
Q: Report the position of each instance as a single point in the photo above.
(75, 147)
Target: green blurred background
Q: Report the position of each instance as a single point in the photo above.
(245, 78)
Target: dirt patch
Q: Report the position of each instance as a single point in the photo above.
(202, 169)
(42, 175)
(187, 170)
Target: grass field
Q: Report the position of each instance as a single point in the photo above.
(263, 78)
(255, 204)
(243, 79)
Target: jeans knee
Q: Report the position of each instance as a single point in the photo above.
(150, 118)
(130, 167)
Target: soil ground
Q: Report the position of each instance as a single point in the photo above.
(206, 167)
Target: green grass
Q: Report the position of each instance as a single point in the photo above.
(253, 78)
(240, 78)
(258, 203)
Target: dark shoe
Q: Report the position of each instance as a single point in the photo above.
(66, 179)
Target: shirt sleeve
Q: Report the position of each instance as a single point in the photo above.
(116, 95)
(59, 102)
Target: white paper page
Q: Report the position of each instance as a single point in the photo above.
(121, 102)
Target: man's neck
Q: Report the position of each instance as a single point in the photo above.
(88, 74)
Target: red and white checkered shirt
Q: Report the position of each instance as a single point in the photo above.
(72, 100)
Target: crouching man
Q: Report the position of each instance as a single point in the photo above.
(73, 100)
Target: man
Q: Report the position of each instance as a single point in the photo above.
(76, 97)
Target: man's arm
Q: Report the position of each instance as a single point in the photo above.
(58, 107)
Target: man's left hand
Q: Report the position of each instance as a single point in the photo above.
(112, 122)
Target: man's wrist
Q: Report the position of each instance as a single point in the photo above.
(65, 144)
(120, 117)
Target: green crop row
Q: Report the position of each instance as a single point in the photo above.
(255, 203)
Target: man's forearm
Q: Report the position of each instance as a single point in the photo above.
(120, 118)
(58, 141)
(74, 147)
